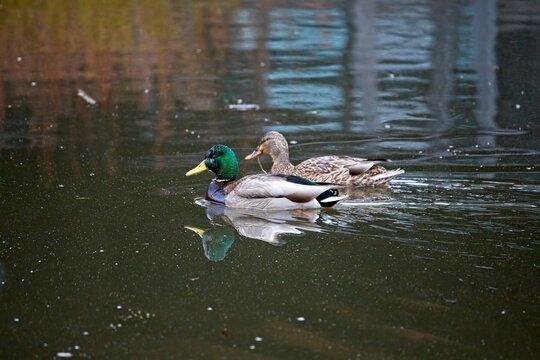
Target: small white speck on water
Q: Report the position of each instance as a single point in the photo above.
(258, 338)
(64, 354)
(209, 308)
(392, 76)
(60, 186)
(293, 142)
(518, 106)
(118, 307)
(252, 347)
(16, 319)
(92, 174)
(19, 59)
(86, 333)
(387, 126)
(300, 318)
(33, 83)
(101, 250)
(146, 91)
(503, 312)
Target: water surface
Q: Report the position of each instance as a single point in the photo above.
(108, 250)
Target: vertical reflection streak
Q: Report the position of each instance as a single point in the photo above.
(485, 63)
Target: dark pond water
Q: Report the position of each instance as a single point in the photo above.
(108, 251)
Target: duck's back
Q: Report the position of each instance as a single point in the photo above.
(344, 170)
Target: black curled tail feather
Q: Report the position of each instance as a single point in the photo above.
(327, 194)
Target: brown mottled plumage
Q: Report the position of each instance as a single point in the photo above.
(342, 170)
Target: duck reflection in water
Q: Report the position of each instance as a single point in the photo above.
(267, 226)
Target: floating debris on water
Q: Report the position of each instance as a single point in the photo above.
(243, 107)
(64, 354)
(240, 106)
(83, 95)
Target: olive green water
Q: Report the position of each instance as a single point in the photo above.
(96, 257)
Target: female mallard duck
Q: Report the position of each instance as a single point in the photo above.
(342, 170)
(262, 191)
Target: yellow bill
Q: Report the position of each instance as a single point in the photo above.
(198, 169)
(196, 230)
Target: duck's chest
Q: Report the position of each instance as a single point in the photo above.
(216, 192)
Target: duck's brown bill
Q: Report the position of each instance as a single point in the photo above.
(253, 155)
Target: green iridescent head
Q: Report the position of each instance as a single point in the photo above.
(221, 160)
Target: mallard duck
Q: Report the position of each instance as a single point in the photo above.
(342, 170)
(261, 191)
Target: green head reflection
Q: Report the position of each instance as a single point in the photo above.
(216, 241)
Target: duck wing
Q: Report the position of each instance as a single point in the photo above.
(293, 188)
(326, 164)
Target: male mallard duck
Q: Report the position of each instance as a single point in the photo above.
(342, 170)
(262, 191)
